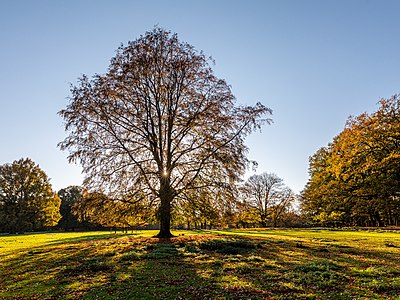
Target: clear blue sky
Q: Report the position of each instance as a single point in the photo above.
(313, 62)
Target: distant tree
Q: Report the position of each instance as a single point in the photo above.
(27, 201)
(268, 196)
(282, 206)
(70, 196)
(247, 215)
(159, 123)
(202, 208)
(294, 218)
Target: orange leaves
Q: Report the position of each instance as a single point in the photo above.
(360, 167)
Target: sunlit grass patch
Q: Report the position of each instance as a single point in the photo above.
(254, 259)
(234, 264)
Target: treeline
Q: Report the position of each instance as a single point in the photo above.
(28, 203)
(264, 200)
(355, 180)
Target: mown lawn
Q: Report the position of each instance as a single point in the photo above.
(235, 264)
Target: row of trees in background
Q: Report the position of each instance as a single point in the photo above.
(262, 201)
(28, 203)
(355, 180)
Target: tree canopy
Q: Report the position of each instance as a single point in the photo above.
(158, 125)
(266, 198)
(355, 180)
(27, 201)
(69, 196)
(71, 209)
(98, 208)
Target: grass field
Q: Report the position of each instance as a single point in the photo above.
(236, 264)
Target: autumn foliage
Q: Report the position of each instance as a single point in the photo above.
(355, 180)
(27, 201)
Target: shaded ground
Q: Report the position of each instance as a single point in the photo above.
(256, 264)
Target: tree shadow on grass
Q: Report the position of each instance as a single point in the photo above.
(196, 267)
(108, 269)
(90, 237)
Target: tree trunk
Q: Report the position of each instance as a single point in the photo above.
(166, 197)
(379, 220)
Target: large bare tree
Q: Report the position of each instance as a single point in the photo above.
(157, 124)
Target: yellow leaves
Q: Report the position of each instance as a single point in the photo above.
(360, 163)
(325, 217)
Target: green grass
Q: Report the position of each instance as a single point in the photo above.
(230, 264)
